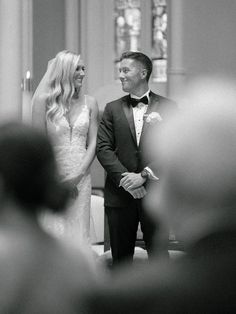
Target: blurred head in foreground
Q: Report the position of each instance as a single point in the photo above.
(196, 156)
(28, 173)
(38, 273)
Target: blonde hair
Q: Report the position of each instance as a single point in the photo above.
(61, 84)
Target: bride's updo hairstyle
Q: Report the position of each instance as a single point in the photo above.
(61, 84)
(28, 170)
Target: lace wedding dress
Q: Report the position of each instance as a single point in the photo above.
(70, 148)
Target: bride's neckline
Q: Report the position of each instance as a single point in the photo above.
(68, 118)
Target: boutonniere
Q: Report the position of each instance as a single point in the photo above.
(152, 117)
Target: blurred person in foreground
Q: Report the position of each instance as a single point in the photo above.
(38, 273)
(196, 196)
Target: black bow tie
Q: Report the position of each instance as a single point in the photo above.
(134, 102)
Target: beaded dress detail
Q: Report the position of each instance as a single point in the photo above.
(70, 143)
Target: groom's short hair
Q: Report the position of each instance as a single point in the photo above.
(140, 57)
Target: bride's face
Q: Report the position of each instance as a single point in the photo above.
(79, 74)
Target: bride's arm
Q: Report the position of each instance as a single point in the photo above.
(92, 137)
(39, 112)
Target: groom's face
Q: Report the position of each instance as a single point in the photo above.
(130, 75)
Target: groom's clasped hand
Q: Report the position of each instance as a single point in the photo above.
(133, 183)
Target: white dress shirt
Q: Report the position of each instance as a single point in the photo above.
(138, 113)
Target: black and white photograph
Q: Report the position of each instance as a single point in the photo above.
(117, 156)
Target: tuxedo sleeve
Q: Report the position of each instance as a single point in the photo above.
(106, 148)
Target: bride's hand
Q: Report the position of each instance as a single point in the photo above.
(72, 184)
(72, 188)
(74, 192)
(76, 180)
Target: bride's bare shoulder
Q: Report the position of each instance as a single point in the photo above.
(91, 102)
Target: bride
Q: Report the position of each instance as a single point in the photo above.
(70, 119)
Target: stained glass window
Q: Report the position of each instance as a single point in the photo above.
(128, 33)
(159, 40)
(127, 28)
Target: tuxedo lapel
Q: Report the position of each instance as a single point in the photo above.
(153, 106)
(154, 103)
(128, 110)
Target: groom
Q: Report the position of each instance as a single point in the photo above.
(120, 150)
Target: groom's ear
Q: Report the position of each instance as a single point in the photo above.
(144, 73)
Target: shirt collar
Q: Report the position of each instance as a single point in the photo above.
(145, 94)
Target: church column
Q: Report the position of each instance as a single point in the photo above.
(10, 59)
(72, 25)
(176, 69)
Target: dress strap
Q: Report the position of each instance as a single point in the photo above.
(85, 100)
(86, 104)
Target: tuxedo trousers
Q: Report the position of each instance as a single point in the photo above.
(123, 225)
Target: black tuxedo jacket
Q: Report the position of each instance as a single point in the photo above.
(117, 148)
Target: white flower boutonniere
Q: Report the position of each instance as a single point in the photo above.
(152, 117)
